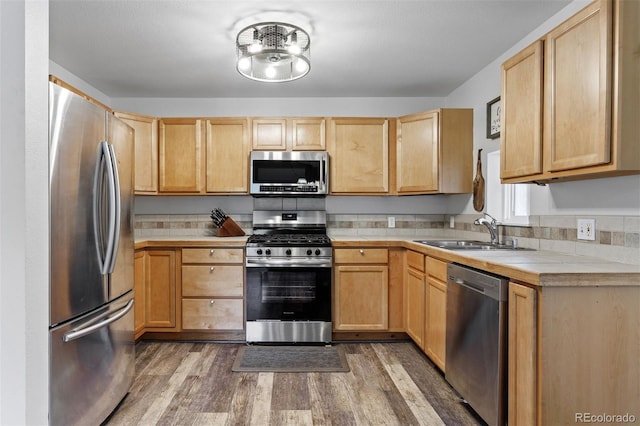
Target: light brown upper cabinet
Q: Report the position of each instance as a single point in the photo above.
(587, 99)
(269, 134)
(181, 155)
(146, 151)
(434, 152)
(307, 134)
(359, 155)
(227, 155)
(288, 134)
(521, 133)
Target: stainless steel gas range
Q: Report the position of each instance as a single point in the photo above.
(288, 278)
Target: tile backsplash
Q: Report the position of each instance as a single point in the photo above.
(617, 237)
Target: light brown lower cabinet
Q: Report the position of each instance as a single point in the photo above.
(415, 297)
(436, 311)
(426, 304)
(212, 289)
(522, 355)
(360, 299)
(139, 292)
(573, 353)
(160, 290)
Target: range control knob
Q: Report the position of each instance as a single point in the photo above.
(288, 252)
(317, 252)
(268, 252)
(309, 252)
(259, 251)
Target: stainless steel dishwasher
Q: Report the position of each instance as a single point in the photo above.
(476, 357)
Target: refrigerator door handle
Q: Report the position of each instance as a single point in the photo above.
(104, 165)
(83, 330)
(116, 203)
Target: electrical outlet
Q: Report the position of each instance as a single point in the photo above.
(587, 229)
(452, 222)
(391, 222)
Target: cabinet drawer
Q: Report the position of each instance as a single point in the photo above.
(212, 314)
(211, 255)
(216, 280)
(415, 260)
(361, 255)
(436, 268)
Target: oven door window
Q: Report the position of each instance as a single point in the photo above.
(302, 294)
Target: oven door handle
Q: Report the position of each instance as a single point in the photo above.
(290, 263)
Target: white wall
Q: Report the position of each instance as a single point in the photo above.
(611, 196)
(24, 29)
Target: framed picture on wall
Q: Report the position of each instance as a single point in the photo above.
(493, 118)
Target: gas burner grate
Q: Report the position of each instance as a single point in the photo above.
(290, 239)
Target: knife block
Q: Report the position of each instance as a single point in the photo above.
(230, 228)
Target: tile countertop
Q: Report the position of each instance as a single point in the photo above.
(538, 267)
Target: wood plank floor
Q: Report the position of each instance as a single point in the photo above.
(184, 383)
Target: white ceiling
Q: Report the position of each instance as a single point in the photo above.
(359, 48)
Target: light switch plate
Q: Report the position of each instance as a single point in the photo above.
(587, 229)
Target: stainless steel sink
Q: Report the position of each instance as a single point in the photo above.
(467, 245)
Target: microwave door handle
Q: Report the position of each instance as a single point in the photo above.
(323, 177)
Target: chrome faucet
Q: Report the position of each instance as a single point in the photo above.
(492, 226)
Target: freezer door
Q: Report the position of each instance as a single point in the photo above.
(121, 145)
(76, 128)
(92, 364)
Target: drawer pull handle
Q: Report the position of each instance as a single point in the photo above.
(211, 269)
(362, 252)
(211, 302)
(211, 252)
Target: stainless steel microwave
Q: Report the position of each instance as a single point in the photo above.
(296, 173)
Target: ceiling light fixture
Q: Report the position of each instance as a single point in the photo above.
(273, 52)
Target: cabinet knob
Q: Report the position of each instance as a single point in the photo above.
(211, 302)
(211, 252)
(362, 252)
(211, 269)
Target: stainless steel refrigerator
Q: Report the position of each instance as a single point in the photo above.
(91, 340)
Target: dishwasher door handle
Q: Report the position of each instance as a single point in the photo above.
(468, 285)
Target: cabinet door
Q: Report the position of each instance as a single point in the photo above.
(361, 297)
(212, 314)
(139, 292)
(146, 151)
(211, 255)
(160, 292)
(417, 153)
(212, 280)
(578, 57)
(269, 134)
(396, 289)
(227, 159)
(361, 255)
(415, 288)
(359, 150)
(308, 134)
(181, 155)
(521, 102)
(522, 400)
(435, 321)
